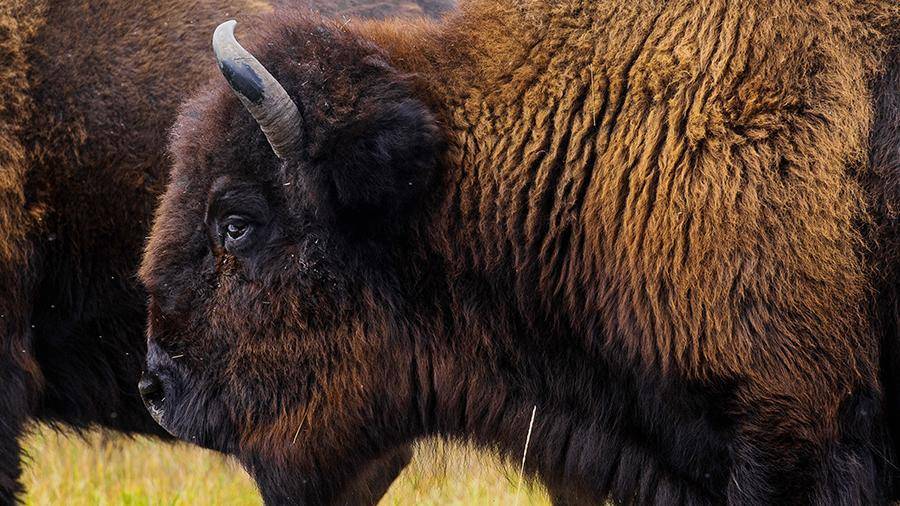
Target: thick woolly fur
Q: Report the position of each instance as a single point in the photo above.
(651, 220)
(88, 90)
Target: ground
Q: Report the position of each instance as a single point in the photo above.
(105, 469)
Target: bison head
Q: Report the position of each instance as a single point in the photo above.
(280, 257)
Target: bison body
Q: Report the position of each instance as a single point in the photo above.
(648, 221)
(88, 91)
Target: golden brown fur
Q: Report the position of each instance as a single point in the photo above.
(638, 151)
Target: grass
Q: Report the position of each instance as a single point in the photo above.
(106, 469)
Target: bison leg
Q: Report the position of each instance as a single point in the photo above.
(565, 497)
(366, 484)
(376, 478)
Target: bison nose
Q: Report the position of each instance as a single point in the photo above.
(150, 387)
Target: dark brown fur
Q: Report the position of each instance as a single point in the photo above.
(87, 92)
(882, 183)
(648, 219)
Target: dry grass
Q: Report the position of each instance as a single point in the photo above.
(105, 469)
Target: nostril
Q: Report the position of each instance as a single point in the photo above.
(150, 387)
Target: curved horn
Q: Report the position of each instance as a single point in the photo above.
(261, 94)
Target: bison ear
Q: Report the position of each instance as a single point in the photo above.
(385, 158)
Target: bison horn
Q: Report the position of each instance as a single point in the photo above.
(261, 94)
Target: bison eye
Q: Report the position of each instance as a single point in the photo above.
(235, 232)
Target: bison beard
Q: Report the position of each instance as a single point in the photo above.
(87, 90)
(646, 219)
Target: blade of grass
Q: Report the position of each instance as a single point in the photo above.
(525, 454)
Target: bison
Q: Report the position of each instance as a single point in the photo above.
(649, 223)
(87, 90)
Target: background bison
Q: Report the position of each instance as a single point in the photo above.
(645, 218)
(88, 91)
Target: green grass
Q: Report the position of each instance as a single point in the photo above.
(104, 469)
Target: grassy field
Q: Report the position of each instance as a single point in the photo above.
(103, 469)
